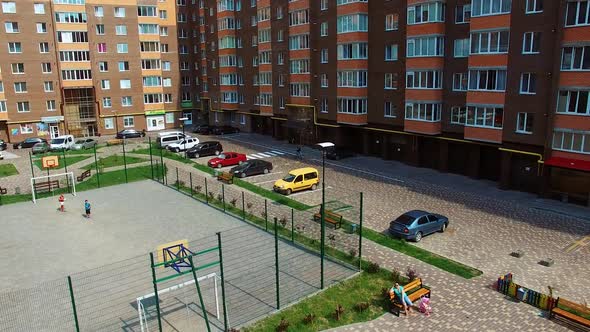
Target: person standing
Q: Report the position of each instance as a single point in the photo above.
(61, 200)
(87, 208)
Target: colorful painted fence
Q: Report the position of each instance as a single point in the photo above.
(507, 286)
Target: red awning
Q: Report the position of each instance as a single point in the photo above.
(581, 165)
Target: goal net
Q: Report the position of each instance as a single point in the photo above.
(53, 182)
(209, 286)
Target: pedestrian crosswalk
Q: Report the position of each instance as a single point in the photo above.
(267, 154)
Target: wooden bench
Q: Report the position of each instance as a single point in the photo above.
(226, 177)
(115, 141)
(46, 186)
(331, 217)
(3, 191)
(415, 290)
(83, 176)
(571, 317)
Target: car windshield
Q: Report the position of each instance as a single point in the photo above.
(289, 178)
(79, 142)
(57, 141)
(404, 219)
(221, 156)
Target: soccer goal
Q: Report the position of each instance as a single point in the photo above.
(143, 314)
(51, 182)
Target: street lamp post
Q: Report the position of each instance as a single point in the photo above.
(323, 147)
(184, 119)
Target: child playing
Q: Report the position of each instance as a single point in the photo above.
(61, 202)
(425, 307)
(87, 208)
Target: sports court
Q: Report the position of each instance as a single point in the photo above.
(108, 259)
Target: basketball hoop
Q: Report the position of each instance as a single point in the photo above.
(50, 162)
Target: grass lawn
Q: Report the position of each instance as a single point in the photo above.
(7, 170)
(114, 160)
(366, 288)
(165, 154)
(70, 160)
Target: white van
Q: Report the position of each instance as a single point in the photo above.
(170, 138)
(63, 142)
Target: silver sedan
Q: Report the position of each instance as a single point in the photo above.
(83, 144)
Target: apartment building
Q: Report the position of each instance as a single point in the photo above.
(493, 89)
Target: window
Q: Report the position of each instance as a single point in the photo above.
(98, 11)
(41, 27)
(575, 58)
(11, 27)
(22, 107)
(487, 80)
(324, 4)
(577, 13)
(152, 98)
(3, 106)
(534, 6)
(488, 117)
(460, 81)
(72, 36)
(573, 102)
(15, 47)
(149, 11)
(169, 117)
(70, 17)
(353, 23)
(20, 87)
(524, 123)
(163, 14)
(150, 29)
(100, 29)
(44, 47)
(119, 12)
(123, 65)
(39, 8)
(299, 89)
(353, 51)
(324, 106)
(458, 115)
(128, 121)
(46, 67)
(299, 42)
(489, 42)
(352, 79)
(324, 29)
(297, 17)
(391, 52)
(8, 7)
(351, 105)
(166, 65)
(50, 105)
(423, 111)
(103, 66)
(426, 46)
(76, 75)
(101, 47)
(48, 86)
(461, 48)
(242, 119)
(571, 140)
(425, 79)
(324, 55)
(299, 66)
(528, 84)
(26, 129)
(391, 81)
(105, 84)
(324, 80)
(425, 13)
(121, 30)
(109, 123)
(106, 102)
(490, 7)
(18, 68)
(531, 42)
(462, 14)
(389, 110)
(391, 22)
(125, 84)
(122, 48)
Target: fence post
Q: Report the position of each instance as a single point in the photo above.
(292, 223)
(63, 150)
(266, 215)
(125, 162)
(243, 207)
(206, 192)
(177, 181)
(222, 281)
(190, 258)
(32, 174)
(190, 177)
(165, 171)
(277, 264)
(151, 156)
(361, 231)
(73, 303)
(156, 290)
(223, 196)
(162, 164)
(96, 167)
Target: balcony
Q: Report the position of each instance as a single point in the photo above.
(422, 127)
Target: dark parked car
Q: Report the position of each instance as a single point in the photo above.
(252, 167)
(212, 148)
(224, 130)
(203, 129)
(338, 153)
(130, 133)
(3, 145)
(28, 143)
(415, 224)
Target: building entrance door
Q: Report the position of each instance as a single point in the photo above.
(53, 131)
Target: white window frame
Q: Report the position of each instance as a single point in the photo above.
(532, 6)
(128, 121)
(522, 122)
(525, 84)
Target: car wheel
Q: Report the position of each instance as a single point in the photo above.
(240, 162)
(196, 155)
(314, 187)
(218, 165)
(443, 228)
(418, 236)
(242, 175)
(265, 171)
(289, 192)
(19, 147)
(216, 153)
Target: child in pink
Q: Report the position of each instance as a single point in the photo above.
(425, 307)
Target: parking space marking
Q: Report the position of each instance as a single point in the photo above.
(278, 152)
(263, 182)
(264, 155)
